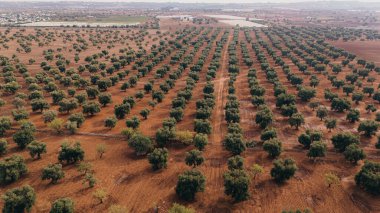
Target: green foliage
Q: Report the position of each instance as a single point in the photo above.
(89, 179)
(202, 126)
(189, 183)
(23, 137)
(344, 139)
(144, 113)
(158, 158)
(19, 199)
(268, 134)
(264, 117)
(39, 104)
(3, 146)
(12, 168)
(368, 177)
(141, 144)
(309, 136)
(235, 162)
(176, 113)
(357, 97)
(56, 125)
(177, 208)
(169, 123)
(273, 147)
(234, 143)
(117, 209)
(354, 153)
(369, 127)
(317, 149)
(184, 137)
(194, 158)
(101, 149)
(110, 122)
(236, 184)
(5, 124)
(322, 112)
(256, 170)
(72, 127)
(133, 123)
(53, 172)
(62, 205)
(283, 169)
(67, 105)
(353, 115)
(121, 110)
(49, 116)
(100, 194)
(164, 136)
(200, 141)
(36, 149)
(296, 120)
(70, 154)
(340, 104)
(20, 114)
(330, 123)
(104, 98)
(306, 93)
(78, 118)
(84, 167)
(91, 108)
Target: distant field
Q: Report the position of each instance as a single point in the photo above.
(91, 21)
(110, 19)
(364, 49)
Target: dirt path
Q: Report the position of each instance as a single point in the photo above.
(215, 155)
(218, 116)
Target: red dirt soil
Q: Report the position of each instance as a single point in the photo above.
(130, 181)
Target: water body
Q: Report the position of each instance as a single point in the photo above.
(242, 23)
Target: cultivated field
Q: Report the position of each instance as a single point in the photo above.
(266, 119)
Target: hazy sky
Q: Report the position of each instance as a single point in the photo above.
(195, 1)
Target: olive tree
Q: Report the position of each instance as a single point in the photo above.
(91, 108)
(62, 205)
(194, 158)
(368, 177)
(317, 149)
(235, 162)
(36, 149)
(296, 120)
(354, 153)
(353, 115)
(110, 122)
(369, 127)
(200, 141)
(141, 144)
(23, 137)
(158, 158)
(236, 184)
(344, 139)
(283, 169)
(3, 146)
(189, 183)
(12, 168)
(70, 153)
(322, 112)
(273, 147)
(19, 199)
(104, 98)
(5, 124)
(234, 143)
(53, 172)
